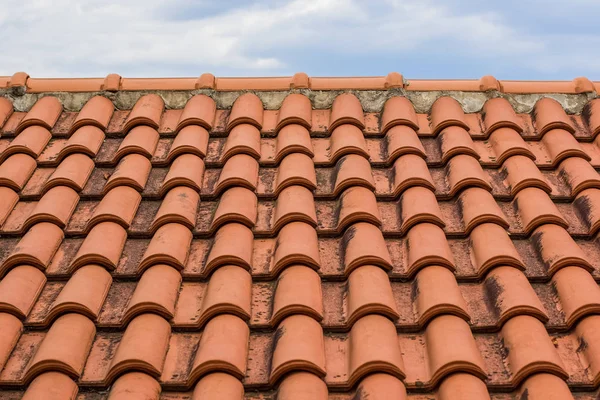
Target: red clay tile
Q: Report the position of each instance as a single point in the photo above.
(369, 292)
(296, 169)
(118, 205)
(373, 347)
(169, 245)
(298, 347)
(228, 292)
(19, 290)
(293, 139)
(418, 205)
(382, 386)
(427, 245)
(36, 247)
(591, 116)
(74, 172)
(199, 110)
(301, 386)
(535, 208)
(223, 347)
(16, 170)
(239, 170)
(587, 205)
(103, 245)
(223, 252)
(556, 249)
(84, 293)
(11, 331)
(242, 139)
(446, 112)
(44, 113)
(237, 204)
(507, 142)
(86, 140)
(548, 114)
(6, 110)
(578, 174)
(134, 386)
(455, 140)
(64, 348)
(352, 170)
(96, 112)
(346, 109)
(297, 243)
(578, 293)
(141, 139)
(545, 387)
(451, 348)
(295, 109)
(147, 111)
(133, 171)
(192, 139)
(464, 387)
(8, 199)
(587, 331)
(398, 111)
(179, 206)
(498, 113)
(561, 144)
(247, 109)
(51, 386)
(295, 203)
(410, 170)
(142, 348)
(155, 293)
(435, 292)
(363, 244)
(464, 171)
(478, 207)
(298, 292)
(491, 247)
(357, 204)
(218, 385)
(56, 206)
(31, 141)
(530, 349)
(402, 139)
(521, 172)
(347, 139)
(186, 170)
(511, 294)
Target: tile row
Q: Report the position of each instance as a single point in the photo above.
(556, 146)
(573, 175)
(123, 205)
(549, 249)
(547, 114)
(446, 346)
(503, 293)
(296, 386)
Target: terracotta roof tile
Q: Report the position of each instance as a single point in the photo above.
(147, 111)
(245, 245)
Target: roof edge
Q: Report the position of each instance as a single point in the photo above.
(23, 83)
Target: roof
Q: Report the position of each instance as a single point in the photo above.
(342, 238)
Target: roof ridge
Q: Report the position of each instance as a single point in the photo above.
(300, 80)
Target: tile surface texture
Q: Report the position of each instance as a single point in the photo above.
(302, 252)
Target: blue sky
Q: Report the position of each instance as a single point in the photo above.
(528, 39)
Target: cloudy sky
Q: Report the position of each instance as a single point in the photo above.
(510, 39)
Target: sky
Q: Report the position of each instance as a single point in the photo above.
(421, 39)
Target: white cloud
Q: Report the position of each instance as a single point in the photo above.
(144, 38)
